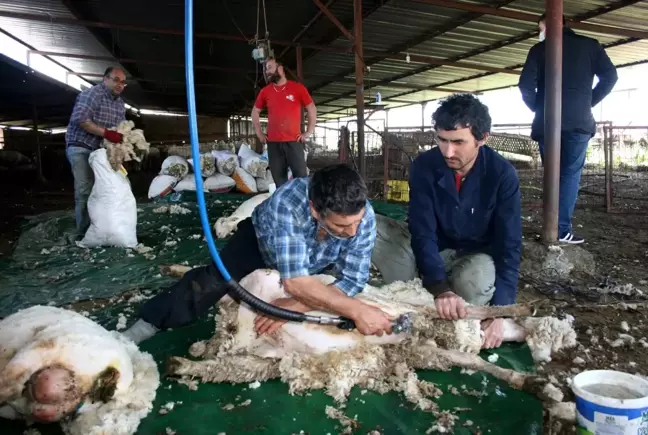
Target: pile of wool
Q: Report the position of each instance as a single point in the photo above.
(133, 147)
(310, 356)
(101, 369)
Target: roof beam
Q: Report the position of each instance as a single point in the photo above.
(499, 44)
(334, 20)
(478, 76)
(533, 18)
(306, 28)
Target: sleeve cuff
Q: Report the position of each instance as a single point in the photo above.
(436, 287)
(348, 287)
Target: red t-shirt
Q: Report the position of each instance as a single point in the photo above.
(284, 105)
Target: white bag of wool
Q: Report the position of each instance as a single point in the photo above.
(207, 165)
(252, 162)
(219, 183)
(175, 166)
(161, 186)
(226, 162)
(111, 206)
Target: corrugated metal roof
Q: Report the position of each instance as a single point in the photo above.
(401, 26)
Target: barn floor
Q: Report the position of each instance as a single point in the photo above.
(617, 241)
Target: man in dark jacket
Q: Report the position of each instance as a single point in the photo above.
(583, 58)
(464, 216)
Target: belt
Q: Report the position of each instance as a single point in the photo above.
(81, 145)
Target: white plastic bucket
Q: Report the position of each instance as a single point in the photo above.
(600, 408)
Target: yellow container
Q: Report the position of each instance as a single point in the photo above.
(398, 190)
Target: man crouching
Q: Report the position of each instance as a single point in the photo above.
(464, 216)
(305, 227)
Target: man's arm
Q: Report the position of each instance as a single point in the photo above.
(311, 110)
(259, 105)
(423, 228)
(355, 258)
(507, 237)
(607, 75)
(528, 83)
(83, 112)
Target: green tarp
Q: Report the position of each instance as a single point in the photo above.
(63, 274)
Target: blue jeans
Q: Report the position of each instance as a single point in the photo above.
(573, 147)
(83, 182)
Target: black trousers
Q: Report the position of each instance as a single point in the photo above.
(284, 155)
(200, 288)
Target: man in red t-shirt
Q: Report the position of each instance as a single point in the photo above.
(284, 100)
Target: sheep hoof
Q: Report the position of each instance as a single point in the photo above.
(173, 365)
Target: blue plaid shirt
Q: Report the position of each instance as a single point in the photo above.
(287, 235)
(98, 105)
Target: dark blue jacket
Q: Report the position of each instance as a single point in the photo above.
(483, 217)
(583, 58)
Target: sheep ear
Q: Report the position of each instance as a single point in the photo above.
(105, 385)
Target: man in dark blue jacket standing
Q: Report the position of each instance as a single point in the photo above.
(583, 58)
(464, 216)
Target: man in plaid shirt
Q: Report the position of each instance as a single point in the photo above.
(96, 110)
(306, 226)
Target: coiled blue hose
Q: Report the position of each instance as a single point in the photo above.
(235, 287)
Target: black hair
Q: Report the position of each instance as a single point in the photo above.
(337, 189)
(110, 70)
(463, 111)
(543, 17)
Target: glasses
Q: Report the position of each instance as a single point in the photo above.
(118, 81)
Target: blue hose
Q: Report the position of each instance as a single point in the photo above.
(235, 287)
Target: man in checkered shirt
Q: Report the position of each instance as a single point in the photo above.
(303, 228)
(96, 110)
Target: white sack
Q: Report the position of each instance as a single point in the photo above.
(187, 183)
(176, 166)
(111, 206)
(263, 183)
(162, 185)
(219, 183)
(42, 336)
(226, 162)
(252, 162)
(207, 165)
(225, 226)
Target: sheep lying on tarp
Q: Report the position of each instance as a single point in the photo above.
(310, 356)
(59, 366)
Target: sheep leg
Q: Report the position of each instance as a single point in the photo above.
(485, 312)
(435, 358)
(231, 368)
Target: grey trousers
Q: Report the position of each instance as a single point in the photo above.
(284, 155)
(471, 276)
(83, 182)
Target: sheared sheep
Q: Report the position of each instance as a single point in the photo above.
(59, 366)
(310, 356)
(225, 226)
(132, 147)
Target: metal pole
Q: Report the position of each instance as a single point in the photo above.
(608, 164)
(39, 158)
(359, 76)
(552, 118)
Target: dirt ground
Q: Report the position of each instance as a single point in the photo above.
(612, 328)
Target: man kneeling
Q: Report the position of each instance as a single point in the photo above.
(303, 228)
(464, 216)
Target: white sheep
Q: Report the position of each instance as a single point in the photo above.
(52, 360)
(309, 356)
(225, 226)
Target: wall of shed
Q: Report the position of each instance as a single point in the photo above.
(172, 128)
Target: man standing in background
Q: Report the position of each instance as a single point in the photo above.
(583, 58)
(284, 100)
(96, 110)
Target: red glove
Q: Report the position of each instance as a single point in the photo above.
(113, 136)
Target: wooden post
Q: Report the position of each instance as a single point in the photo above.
(359, 77)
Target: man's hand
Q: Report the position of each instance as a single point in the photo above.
(303, 137)
(113, 136)
(372, 321)
(268, 325)
(450, 306)
(493, 333)
(262, 138)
